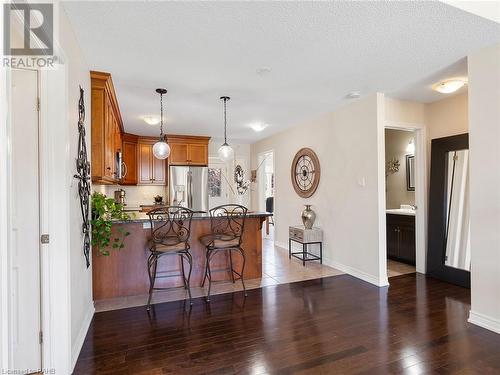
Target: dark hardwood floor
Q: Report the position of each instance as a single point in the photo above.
(335, 325)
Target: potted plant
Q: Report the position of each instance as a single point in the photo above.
(104, 211)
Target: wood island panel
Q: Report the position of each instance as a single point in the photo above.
(124, 272)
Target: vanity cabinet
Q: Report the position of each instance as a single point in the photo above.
(188, 150)
(107, 128)
(401, 238)
(151, 171)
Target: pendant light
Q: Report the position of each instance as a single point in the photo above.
(161, 150)
(225, 151)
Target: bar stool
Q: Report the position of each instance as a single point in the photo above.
(170, 231)
(227, 224)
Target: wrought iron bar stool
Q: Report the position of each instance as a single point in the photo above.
(227, 224)
(170, 231)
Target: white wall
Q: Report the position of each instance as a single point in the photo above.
(484, 120)
(406, 111)
(67, 304)
(396, 143)
(448, 116)
(82, 307)
(241, 157)
(347, 199)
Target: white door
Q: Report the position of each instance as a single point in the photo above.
(24, 223)
(217, 183)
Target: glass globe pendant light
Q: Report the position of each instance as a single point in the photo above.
(161, 150)
(225, 151)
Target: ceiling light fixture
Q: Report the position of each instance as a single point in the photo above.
(161, 150)
(263, 70)
(411, 147)
(258, 126)
(151, 120)
(449, 86)
(353, 95)
(225, 151)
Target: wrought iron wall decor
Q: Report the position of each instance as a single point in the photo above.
(83, 176)
(239, 178)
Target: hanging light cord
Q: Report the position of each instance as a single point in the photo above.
(225, 122)
(161, 116)
(225, 98)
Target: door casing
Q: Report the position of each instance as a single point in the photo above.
(420, 192)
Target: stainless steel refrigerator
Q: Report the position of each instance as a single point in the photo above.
(189, 187)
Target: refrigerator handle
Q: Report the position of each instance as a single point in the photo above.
(190, 189)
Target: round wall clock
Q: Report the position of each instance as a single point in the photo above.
(305, 172)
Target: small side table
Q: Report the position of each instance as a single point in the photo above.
(305, 237)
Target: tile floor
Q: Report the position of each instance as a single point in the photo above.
(276, 269)
(396, 268)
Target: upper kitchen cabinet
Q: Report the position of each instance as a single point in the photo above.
(129, 154)
(107, 129)
(188, 150)
(151, 171)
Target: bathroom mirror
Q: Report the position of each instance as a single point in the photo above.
(410, 172)
(448, 251)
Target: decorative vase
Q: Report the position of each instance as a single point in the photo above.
(308, 217)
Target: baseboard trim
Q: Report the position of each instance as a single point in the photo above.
(77, 347)
(484, 321)
(380, 282)
(281, 244)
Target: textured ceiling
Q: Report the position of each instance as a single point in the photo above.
(317, 52)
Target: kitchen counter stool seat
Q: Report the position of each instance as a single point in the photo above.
(227, 225)
(219, 241)
(170, 233)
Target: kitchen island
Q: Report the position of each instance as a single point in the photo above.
(124, 272)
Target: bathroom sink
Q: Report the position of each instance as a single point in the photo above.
(405, 209)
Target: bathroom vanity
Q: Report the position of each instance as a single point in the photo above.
(401, 236)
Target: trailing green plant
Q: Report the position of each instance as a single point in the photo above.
(104, 211)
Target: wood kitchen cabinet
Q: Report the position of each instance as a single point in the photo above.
(107, 128)
(139, 166)
(188, 150)
(129, 156)
(401, 238)
(151, 171)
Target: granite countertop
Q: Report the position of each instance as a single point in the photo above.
(141, 217)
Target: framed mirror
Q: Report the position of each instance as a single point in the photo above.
(448, 256)
(410, 172)
(457, 253)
